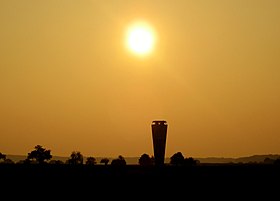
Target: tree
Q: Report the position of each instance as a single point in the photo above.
(5, 159)
(91, 161)
(190, 161)
(76, 158)
(120, 161)
(104, 160)
(8, 161)
(2, 156)
(145, 160)
(177, 159)
(40, 154)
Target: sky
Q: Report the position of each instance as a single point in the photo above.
(68, 82)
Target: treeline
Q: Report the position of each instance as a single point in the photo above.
(41, 155)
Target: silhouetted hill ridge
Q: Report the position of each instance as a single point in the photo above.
(245, 159)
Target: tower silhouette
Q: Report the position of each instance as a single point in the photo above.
(159, 130)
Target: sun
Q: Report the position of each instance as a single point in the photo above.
(140, 38)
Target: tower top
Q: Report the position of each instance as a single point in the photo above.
(159, 122)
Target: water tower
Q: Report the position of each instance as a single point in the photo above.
(159, 130)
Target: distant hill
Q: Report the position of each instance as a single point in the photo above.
(134, 160)
(247, 159)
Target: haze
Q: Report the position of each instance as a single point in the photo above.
(68, 83)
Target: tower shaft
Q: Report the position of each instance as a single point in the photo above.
(159, 133)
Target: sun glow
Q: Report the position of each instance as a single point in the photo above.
(140, 38)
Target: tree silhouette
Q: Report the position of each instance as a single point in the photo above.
(40, 154)
(120, 161)
(8, 161)
(76, 158)
(104, 160)
(2, 156)
(145, 160)
(4, 159)
(190, 161)
(91, 161)
(177, 159)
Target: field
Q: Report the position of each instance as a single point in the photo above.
(203, 179)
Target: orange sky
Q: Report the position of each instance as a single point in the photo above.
(67, 81)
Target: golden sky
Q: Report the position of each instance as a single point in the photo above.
(68, 82)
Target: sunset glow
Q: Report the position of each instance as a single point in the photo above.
(91, 76)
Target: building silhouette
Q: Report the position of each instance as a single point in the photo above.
(159, 131)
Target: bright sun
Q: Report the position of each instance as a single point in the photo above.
(140, 38)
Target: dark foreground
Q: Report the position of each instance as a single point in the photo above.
(211, 181)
